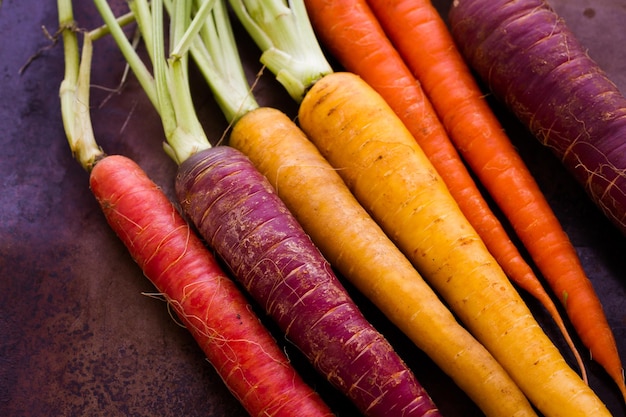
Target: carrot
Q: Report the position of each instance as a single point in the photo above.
(353, 35)
(240, 216)
(346, 234)
(361, 137)
(175, 260)
(388, 172)
(482, 142)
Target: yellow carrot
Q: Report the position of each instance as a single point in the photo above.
(359, 134)
(359, 249)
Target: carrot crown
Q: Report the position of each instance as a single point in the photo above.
(287, 41)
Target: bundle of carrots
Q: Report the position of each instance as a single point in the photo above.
(170, 254)
(375, 59)
(388, 32)
(364, 140)
(346, 234)
(240, 216)
(481, 140)
(373, 177)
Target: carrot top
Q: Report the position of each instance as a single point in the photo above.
(285, 36)
(216, 55)
(74, 90)
(167, 86)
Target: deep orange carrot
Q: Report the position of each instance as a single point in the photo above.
(424, 41)
(355, 38)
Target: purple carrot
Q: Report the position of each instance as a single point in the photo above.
(242, 218)
(529, 58)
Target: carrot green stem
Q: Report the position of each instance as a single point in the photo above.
(134, 61)
(193, 28)
(167, 86)
(74, 90)
(103, 30)
(216, 55)
(286, 38)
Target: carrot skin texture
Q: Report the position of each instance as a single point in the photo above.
(535, 65)
(383, 165)
(362, 253)
(215, 312)
(243, 219)
(354, 36)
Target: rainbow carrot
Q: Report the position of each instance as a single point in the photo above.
(240, 216)
(388, 173)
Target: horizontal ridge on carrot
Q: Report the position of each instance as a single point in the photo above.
(175, 260)
(481, 140)
(240, 216)
(532, 62)
(354, 37)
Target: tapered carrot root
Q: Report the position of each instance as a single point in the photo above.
(359, 249)
(481, 140)
(352, 34)
(243, 219)
(392, 178)
(243, 352)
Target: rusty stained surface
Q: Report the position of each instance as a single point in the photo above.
(80, 333)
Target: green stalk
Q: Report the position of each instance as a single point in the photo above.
(103, 30)
(74, 91)
(286, 38)
(167, 86)
(216, 55)
(184, 42)
(132, 58)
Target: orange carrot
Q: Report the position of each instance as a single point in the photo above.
(481, 140)
(355, 38)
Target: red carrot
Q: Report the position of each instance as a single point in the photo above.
(239, 215)
(481, 140)
(354, 37)
(208, 303)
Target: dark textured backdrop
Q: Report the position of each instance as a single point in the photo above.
(79, 333)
